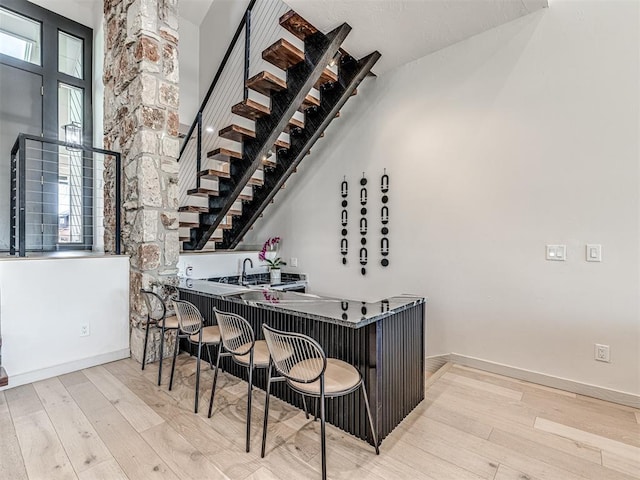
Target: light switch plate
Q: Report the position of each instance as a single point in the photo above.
(557, 253)
(593, 252)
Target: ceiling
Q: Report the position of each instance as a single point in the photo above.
(405, 30)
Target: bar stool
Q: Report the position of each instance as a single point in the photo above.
(302, 363)
(157, 315)
(191, 326)
(239, 343)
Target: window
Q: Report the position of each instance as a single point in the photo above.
(19, 37)
(69, 55)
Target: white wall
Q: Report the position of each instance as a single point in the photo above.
(522, 136)
(216, 32)
(220, 264)
(189, 56)
(43, 302)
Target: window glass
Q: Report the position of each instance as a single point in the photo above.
(19, 37)
(69, 55)
(70, 165)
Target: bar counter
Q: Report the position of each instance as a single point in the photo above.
(384, 340)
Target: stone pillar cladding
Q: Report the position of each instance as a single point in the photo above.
(141, 98)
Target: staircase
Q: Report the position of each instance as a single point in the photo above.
(239, 183)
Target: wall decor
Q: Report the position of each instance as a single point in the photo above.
(384, 219)
(363, 224)
(344, 243)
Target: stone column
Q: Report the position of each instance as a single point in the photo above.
(141, 98)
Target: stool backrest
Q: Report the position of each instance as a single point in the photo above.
(237, 335)
(296, 357)
(156, 309)
(189, 317)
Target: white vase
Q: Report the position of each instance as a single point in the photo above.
(275, 276)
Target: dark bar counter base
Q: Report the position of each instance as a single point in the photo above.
(388, 352)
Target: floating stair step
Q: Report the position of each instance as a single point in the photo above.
(326, 77)
(256, 181)
(193, 209)
(297, 25)
(293, 123)
(265, 83)
(308, 102)
(235, 211)
(268, 162)
(236, 133)
(250, 109)
(203, 192)
(213, 173)
(282, 144)
(189, 224)
(224, 154)
(184, 239)
(245, 197)
(283, 54)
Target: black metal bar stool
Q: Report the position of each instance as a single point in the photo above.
(191, 326)
(302, 363)
(239, 343)
(157, 315)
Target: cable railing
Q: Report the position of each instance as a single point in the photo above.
(59, 196)
(258, 29)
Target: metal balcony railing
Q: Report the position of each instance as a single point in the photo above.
(59, 197)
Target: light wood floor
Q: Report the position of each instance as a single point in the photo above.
(113, 422)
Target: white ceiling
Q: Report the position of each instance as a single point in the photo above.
(404, 30)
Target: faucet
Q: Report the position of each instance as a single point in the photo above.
(243, 276)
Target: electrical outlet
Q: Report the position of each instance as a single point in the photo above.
(602, 353)
(84, 330)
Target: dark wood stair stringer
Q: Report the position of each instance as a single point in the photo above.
(333, 100)
(319, 49)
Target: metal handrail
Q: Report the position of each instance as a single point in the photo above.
(20, 171)
(198, 120)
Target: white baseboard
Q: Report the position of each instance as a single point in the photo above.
(73, 366)
(615, 396)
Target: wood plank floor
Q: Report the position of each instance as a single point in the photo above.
(113, 422)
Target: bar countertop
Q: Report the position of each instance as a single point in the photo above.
(350, 313)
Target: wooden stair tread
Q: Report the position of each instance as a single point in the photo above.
(293, 123)
(265, 83)
(245, 197)
(267, 162)
(298, 26)
(189, 224)
(203, 192)
(251, 109)
(236, 133)
(326, 77)
(213, 173)
(309, 101)
(224, 154)
(283, 54)
(193, 209)
(282, 144)
(234, 212)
